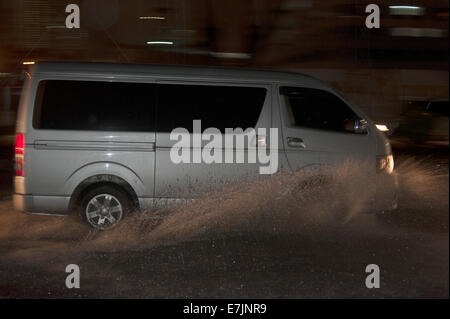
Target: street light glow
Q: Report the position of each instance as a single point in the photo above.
(406, 10)
(152, 18)
(404, 7)
(160, 42)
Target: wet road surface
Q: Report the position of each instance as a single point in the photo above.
(229, 247)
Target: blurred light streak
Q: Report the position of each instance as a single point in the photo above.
(160, 42)
(231, 55)
(406, 10)
(418, 32)
(152, 18)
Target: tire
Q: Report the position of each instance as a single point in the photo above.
(104, 207)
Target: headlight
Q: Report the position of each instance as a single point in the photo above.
(385, 164)
(382, 127)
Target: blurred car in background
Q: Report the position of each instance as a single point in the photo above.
(424, 122)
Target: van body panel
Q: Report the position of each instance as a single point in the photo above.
(111, 169)
(71, 166)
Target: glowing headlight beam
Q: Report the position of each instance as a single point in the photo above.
(382, 127)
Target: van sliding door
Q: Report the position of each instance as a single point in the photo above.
(213, 105)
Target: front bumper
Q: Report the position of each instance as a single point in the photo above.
(386, 193)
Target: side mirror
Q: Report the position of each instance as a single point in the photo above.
(356, 126)
(360, 126)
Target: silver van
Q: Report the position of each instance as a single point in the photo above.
(96, 137)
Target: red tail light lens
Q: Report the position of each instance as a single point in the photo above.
(19, 151)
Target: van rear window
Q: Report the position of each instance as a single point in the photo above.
(97, 106)
(120, 106)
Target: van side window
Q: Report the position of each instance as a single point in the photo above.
(216, 106)
(93, 105)
(318, 109)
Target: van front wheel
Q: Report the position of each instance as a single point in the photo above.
(104, 207)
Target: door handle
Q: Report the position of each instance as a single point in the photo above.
(295, 142)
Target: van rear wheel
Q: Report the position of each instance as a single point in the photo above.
(104, 207)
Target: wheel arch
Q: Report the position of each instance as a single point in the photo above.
(99, 180)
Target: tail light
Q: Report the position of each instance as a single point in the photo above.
(19, 151)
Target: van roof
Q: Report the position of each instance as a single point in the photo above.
(192, 72)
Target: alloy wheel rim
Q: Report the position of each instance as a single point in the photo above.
(104, 211)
